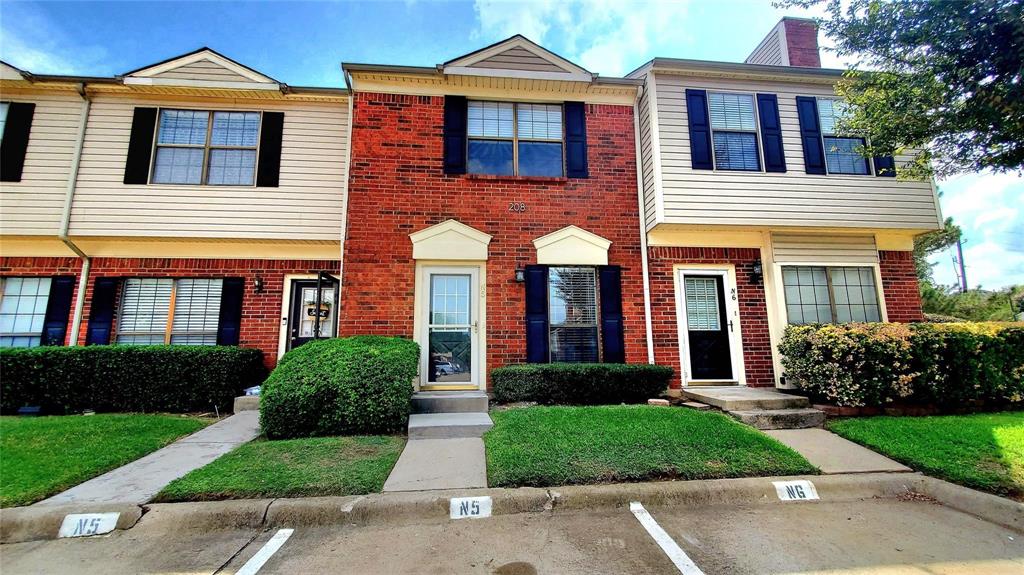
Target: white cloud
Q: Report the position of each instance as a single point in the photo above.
(31, 41)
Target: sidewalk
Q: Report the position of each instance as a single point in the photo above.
(833, 454)
(138, 481)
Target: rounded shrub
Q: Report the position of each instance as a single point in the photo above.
(344, 386)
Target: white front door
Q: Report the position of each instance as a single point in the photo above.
(450, 356)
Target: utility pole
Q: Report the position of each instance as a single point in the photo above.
(960, 260)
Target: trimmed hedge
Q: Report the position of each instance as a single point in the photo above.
(874, 364)
(579, 383)
(346, 386)
(127, 378)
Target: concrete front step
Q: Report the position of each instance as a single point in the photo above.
(799, 418)
(741, 398)
(448, 425)
(449, 402)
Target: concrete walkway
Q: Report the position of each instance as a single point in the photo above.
(833, 454)
(138, 481)
(455, 463)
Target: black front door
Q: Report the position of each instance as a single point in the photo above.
(303, 323)
(707, 327)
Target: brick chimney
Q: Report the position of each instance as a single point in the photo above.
(792, 42)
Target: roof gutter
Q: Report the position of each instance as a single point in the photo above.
(65, 225)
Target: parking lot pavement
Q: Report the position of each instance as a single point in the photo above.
(886, 536)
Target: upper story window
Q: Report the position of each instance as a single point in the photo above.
(204, 147)
(162, 310)
(4, 106)
(819, 294)
(841, 153)
(508, 139)
(734, 131)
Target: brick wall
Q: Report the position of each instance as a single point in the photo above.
(757, 351)
(261, 312)
(397, 187)
(899, 284)
(802, 43)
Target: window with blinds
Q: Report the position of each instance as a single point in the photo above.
(734, 131)
(162, 310)
(819, 294)
(23, 311)
(572, 314)
(204, 147)
(841, 154)
(507, 139)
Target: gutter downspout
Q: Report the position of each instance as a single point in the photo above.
(643, 227)
(69, 195)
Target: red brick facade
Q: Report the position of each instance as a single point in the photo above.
(757, 350)
(397, 186)
(899, 284)
(261, 312)
(802, 42)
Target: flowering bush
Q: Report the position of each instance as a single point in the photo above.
(876, 364)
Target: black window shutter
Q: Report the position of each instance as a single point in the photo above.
(101, 315)
(229, 324)
(575, 120)
(771, 133)
(700, 129)
(537, 314)
(268, 173)
(810, 135)
(613, 346)
(15, 142)
(455, 119)
(885, 166)
(55, 324)
(140, 146)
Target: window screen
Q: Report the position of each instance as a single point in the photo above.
(734, 131)
(161, 310)
(818, 294)
(702, 304)
(198, 146)
(572, 314)
(506, 138)
(841, 155)
(23, 311)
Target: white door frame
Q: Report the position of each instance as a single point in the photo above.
(728, 274)
(477, 381)
(286, 310)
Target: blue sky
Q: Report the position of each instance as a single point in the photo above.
(303, 43)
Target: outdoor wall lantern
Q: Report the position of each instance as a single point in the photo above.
(257, 285)
(520, 275)
(756, 272)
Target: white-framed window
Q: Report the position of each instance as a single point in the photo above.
(507, 138)
(206, 147)
(573, 314)
(734, 131)
(23, 311)
(4, 107)
(830, 294)
(842, 155)
(169, 311)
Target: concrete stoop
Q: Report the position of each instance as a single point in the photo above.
(760, 408)
(448, 425)
(449, 402)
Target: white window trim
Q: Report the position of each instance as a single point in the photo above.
(206, 148)
(824, 151)
(757, 133)
(780, 291)
(732, 312)
(515, 137)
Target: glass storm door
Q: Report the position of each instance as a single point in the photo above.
(302, 323)
(451, 328)
(707, 328)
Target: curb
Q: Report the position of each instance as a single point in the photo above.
(35, 523)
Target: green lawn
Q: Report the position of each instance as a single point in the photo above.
(292, 468)
(984, 451)
(41, 456)
(542, 446)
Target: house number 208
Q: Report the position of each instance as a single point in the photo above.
(517, 206)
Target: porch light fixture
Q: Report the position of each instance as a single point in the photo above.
(756, 272)
(257, 285)
(520, 275)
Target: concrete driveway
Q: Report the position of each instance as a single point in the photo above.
(886, 536)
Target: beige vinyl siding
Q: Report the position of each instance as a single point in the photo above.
(794, 198)
(647, 160)
(808, 248)
(34, 205)
(203, 70)
(306, 206)
(518, 59)
(769, 51)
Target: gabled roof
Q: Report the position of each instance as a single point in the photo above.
(514, 57)
(9, 72)
(203, 67)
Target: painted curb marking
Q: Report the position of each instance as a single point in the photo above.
(256, 562)
(675, 553)
(87, 524)
(469, 507)
(797, 490)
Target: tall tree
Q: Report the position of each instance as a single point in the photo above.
(927, 244)
(945, 82)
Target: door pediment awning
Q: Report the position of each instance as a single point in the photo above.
(572, 246)
(450, 240)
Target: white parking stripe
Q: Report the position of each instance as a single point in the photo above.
(253, 565)
(679, 557)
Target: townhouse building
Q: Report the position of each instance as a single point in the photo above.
(505, 206)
